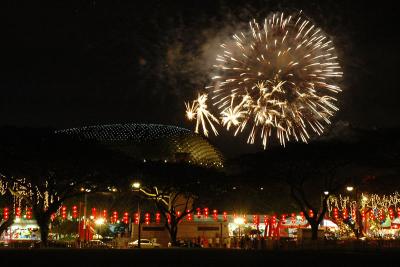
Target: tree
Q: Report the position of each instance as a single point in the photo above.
(44, 169)
(176, 189)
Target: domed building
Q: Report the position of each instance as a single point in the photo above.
(153, 142)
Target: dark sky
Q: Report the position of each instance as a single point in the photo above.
(94, 62)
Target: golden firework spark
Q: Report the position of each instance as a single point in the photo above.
(198, 109)
(280, 78)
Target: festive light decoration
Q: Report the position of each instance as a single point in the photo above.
(174, 139)
(293, 220)
(344, 214)
(114, 217)
(6, 214)
(28, 213)
(278, 77)
(147, 218)
(18, 212)
(158, 217)
(125, 218)
(136, 216)
(215, 215)
(198, 212)
(225, 216)
(206, 213)
(311, 213)
(266, 220)
(283, 218)
(336, 213)
(104, 214)
(256, 220)
(74, 212)
(302, 216)
(391, 214)
(64, 212)
(189, 216)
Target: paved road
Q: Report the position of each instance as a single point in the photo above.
(195, 257)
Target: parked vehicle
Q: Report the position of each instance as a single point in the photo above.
(144, 243)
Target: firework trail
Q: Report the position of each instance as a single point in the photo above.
(198, 109)
(279, 79)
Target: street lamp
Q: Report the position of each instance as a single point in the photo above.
(349, 188)
(99, 222)
(239, 221)
(326, 193)
(136, 187)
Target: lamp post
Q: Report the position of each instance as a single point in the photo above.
(136, 187)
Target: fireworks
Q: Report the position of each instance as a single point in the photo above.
(198, 110)
(279, 78)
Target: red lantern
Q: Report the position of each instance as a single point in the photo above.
(256, 219)
(372, 215)
(178, 214)
(302, 216)
(198, 212)
(215, 215)
(136, 218)
(147, 218)
(344, 213)
(398, 212)
(158, 217)
(283, 219)
(311, 213)
(53, 216)
(29, 213)
(381, 215)
(104, 213)
(206, 213)
(114, 217)
(18, 212)
(265, 220)
(363, 214)
(335, 213)
(273, 221)
(64, 212)
(168, 218)
(293, 215)
(74, 212)
(125, 219)
(94, 213)
(189, 216)
(391, 214)
(5, 214)
(225, 216)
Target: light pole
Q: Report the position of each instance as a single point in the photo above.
(136, 187)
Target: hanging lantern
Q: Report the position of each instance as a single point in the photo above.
(18, 212)
(372, 215)
(136, 216)
(114, 217)
(53, 216)
(225, 216)
(336, 213)
(302, 216)
(158, 217)
(64, 212)
(206, 213)
(125, 218)
(28, 213)
(398, 212)
(94, 213)
(391, 214)
(293, 215)
(189, 216)
(353, 214)
(265, 220)
(147, 218)
(363, 214)
(283, 219)
(74, 212)
(311, 213)
(215, 215)
(5, 214)
(168, 218)
(344, 214)
(198, 212)
(381, 215)
(256, 219)
(273, 220)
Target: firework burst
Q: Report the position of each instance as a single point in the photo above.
(198, 110)
(279, 79)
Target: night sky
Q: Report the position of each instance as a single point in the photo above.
(98, 62)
